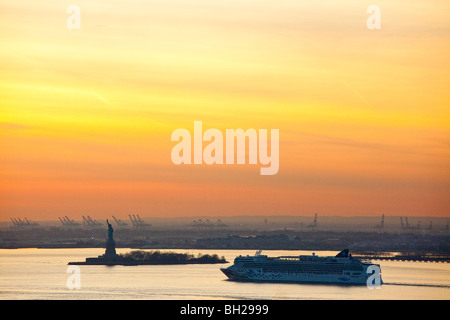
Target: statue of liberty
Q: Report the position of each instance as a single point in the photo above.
(110, 232)
(110, 243)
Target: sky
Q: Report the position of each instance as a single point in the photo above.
(86, 115)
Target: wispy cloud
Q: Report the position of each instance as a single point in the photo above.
(387, 147)
(58, 90)
(14, 126)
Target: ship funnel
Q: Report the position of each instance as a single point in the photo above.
(342, 254)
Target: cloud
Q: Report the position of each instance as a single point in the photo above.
(390, 148)
(14, 126)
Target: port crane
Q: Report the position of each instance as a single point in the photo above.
(23, 223)
(313, 225)
(89, 222)
(68, 222)
(119, 222)
(137, 221)
(380, 227)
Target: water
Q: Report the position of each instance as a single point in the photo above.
(41, 274)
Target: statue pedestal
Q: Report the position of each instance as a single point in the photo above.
(110, 248)
(110, 255)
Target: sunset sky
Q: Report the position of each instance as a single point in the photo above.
(86, 115)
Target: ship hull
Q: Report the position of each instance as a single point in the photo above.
(290, 277)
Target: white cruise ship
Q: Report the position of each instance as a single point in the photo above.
(339, 269)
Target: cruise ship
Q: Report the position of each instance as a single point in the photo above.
(339, 269)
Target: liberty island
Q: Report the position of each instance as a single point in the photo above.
(140, 257)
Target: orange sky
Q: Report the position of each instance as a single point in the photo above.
(86, 115)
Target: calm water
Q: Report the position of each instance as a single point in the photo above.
(41, 274)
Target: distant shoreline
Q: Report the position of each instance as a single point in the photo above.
(385, 255)
(375, 243)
